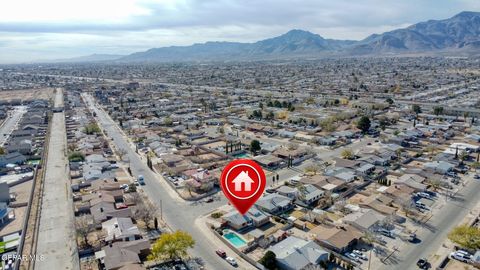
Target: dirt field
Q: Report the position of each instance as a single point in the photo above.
(28, 94)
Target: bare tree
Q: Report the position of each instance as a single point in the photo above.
(435, 183)
(407, 206)
(340, 205)
(146, 211)
(292, 146)
(121, 153)
(84, 226)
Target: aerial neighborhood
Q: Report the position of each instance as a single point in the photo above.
(369, 162)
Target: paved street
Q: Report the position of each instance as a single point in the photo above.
(56, 235)
(178, 214)
(447, 218)
(14, 116)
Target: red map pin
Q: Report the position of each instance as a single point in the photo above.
(243, 182)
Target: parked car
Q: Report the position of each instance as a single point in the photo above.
(141, 180)
(464, 253)
(412, 237)
(476, 176)
(422, 263)
(359, 254)
(221, 253)
(421, 206)
(353, 257)
(460, 256)
(451, 174)
(424, 195)
(231, 261)
(385, 232)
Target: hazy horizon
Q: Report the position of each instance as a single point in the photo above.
(53, 29)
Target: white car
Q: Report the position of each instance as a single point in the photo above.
(353, 257)
(359, 254)
(424, 195)
(231, 261)
(464, 253)
(460, 256)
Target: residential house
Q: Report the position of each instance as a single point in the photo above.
(414, 181)
(295, 253)
(200, 181)
(102, 211)
(364, 220)
(337, 238)
(22, 146)
(441, 167)
(309, 194)
(253, 218)
(268, 161)
(4, 193)
(274, 203)
(5, 213)
(12, 158)
(124, 255)
(120, 229)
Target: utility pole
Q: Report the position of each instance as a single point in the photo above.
(161, 210)
(395, 249)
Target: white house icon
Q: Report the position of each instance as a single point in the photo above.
(243, 178)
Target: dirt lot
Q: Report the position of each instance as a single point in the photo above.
(28, 94)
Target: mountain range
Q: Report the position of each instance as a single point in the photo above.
(459, 34)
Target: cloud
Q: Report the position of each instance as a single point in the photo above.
(72, 27)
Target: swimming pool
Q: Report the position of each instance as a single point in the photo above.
(241, 155)
(234, 239)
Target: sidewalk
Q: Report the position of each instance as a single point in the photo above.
(448, 246)
(201, 224)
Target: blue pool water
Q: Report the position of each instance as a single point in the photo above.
(234, 239)
(242, 155)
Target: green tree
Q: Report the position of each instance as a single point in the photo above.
(167, 121)
(312, 169)
(363, 124)
(171, 246)
(328, 124)
(389, 101)
(76, 156)
(2, 151)
(91, 129)
(255, 146)
(416, 109)
(466, 236)
(475, 165)
(347, 154)
(269, 260)
(463, 156)
(438, 110)
(132, 188)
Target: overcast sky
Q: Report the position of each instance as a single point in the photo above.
(32, 30)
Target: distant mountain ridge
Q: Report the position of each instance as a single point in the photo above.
(458, 34)
(462, 31)
(91, 58)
